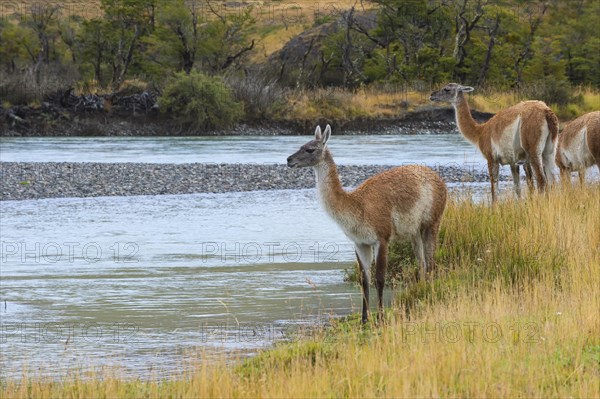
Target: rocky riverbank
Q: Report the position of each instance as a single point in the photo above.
(55, 120)
(25, 180)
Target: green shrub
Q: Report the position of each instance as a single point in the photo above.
(198, 101)
(551, 91)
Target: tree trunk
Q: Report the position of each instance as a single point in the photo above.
(97, 66)
(493, 31)
(526, 54)
(463, 35)
(128, 58)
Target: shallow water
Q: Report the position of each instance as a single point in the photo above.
(139, 281)
(144, 278)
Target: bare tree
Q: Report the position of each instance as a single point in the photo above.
(41, 18)
(492, 29)
(465, 22)
(182, 19)
(124, 56)
(351, 72)
(535, 14)
(300, 81)
(233, 42)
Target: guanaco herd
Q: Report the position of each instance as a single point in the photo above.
(409, 201)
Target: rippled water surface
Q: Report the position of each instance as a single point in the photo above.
(143, 278)
(387, 150)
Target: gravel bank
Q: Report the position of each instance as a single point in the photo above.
(23, 180)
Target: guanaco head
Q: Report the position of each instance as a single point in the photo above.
(311, 153)
(449, 93)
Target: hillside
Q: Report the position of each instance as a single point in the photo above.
(280, 62)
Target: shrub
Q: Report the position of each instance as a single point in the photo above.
(198, 101)
(263, 98)
(30, 86)
(552, 91)
(333, 103)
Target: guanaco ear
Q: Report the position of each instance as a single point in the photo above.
(318, 135)
(326, 134)
(466, 89)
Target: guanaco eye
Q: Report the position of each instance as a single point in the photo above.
(446, 90)
(310, 150)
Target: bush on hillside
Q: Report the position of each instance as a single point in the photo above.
(198, 101)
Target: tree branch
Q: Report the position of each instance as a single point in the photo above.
(231, 58)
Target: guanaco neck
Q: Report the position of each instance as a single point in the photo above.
(464, 120)
(329, 187)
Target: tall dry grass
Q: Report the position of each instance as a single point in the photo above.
(341, 105)
(513, 312)
(583, 100)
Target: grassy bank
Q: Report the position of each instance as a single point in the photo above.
(513, 312)
(378, 103)
(575, 102)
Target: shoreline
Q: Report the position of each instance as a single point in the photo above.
(52, 121)
(37, 180)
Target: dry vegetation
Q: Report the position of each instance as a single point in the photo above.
(512, 313)
(341, 105)
(586, 99)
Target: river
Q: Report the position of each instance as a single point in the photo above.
(356, 150)
(137, 282)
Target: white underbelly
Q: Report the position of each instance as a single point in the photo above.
(507, 150)
(409, 223)
(359, 233)
(362, 239)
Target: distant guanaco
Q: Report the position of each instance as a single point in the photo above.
(524, 133)
(579, 146)
(406, 201)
